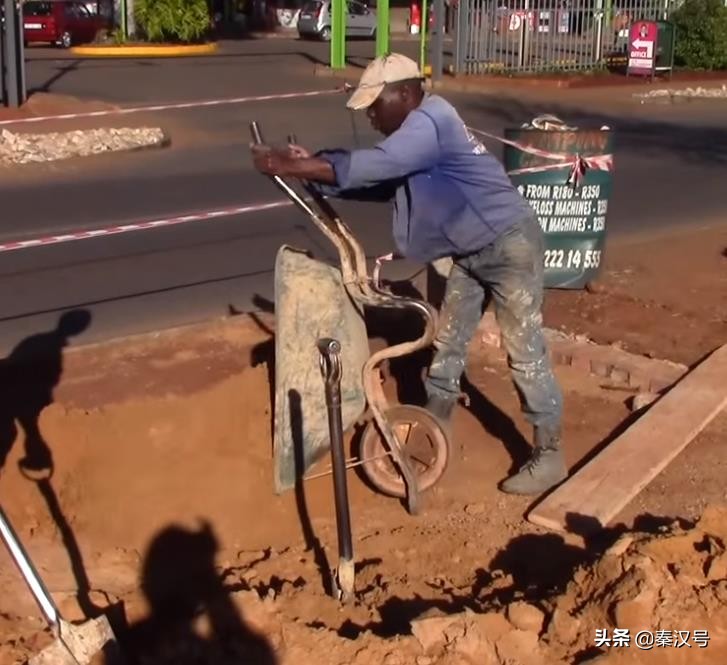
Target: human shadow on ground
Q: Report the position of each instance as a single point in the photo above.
(186, 597)
(28, 378)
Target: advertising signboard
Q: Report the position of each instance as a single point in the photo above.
(642, 49)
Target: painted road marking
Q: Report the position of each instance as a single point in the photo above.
(128, 110)
(15, 245)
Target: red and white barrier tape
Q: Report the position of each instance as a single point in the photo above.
(173, 106)
(578, 165)
(139, 226)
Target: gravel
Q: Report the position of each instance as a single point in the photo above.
(688, 93)
(29, 148)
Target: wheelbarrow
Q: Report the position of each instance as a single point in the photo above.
(404, 450)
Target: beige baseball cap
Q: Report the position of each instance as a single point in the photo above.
(385, 69)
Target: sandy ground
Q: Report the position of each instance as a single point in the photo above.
(665, 297)
(161, 505)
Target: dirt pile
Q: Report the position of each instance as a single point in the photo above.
(674, 581)
(665, 592)
(671, 585)
(161, 510)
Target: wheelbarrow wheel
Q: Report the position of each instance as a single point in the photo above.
(424, 442)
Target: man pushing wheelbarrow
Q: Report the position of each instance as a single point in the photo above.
(451, 199)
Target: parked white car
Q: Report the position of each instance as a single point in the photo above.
(315, 20)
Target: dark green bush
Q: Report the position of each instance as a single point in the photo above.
(701, 34)
(182, 21)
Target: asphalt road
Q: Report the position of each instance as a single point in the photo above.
(669, 172)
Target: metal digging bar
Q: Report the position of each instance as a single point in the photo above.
(366, 291)
(343, 577)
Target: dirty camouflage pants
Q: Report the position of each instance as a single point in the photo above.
(508, 272)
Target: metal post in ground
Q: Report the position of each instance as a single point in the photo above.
(12, 79)
(383, 27)
(124, 16)
(338, 34)
(437, 41)
(599, 27)
(525, 38)
(423, 32)
(461, 36)
(331, 370)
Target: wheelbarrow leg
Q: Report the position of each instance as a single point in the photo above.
(343, 577)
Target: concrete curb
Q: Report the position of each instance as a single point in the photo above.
(621, 368)
(350, 72)
(146, 51)
(461, 84)
(292, 35)
(353, 72)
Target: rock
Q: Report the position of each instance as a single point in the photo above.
(433, 631)
(620, 546)
(257, 613)
(526, 617)
(424, 660)
(246, 600)
(475, 509)
(717, 568)
(249, 575)
(252, 556)
(714, 522)
(474, 645)
(596, 287)
(70, 608)
(519, 647)
(563, 627)
(643, 400)
(636, 613)
(492, 625)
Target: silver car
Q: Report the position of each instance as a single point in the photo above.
(315, 20)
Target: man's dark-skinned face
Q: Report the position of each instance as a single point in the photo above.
(392, 107)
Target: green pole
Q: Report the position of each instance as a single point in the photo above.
(423, 41)
(124, 19)
(608, 14)
(338, 35)
(383, 28)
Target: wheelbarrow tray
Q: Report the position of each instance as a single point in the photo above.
(311, 302)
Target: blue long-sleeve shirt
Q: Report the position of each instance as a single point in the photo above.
(451, 197)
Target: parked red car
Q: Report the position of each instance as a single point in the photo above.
(60, 22)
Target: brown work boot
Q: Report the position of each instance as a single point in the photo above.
(545, 468)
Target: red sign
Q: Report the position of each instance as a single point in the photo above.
(642, 48)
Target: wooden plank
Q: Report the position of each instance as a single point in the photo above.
(594, 495)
